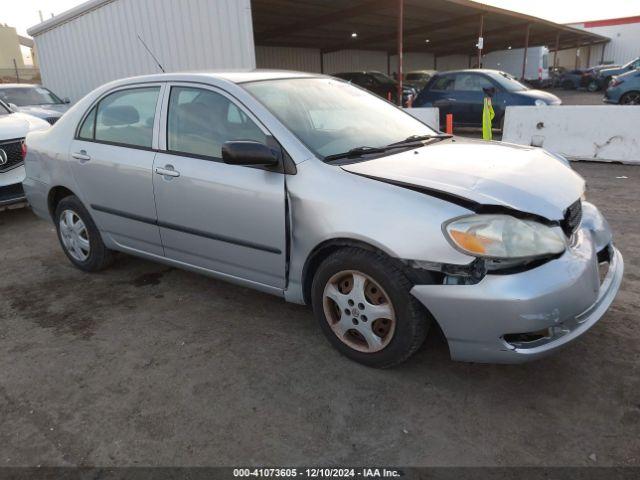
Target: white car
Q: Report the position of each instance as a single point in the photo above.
(14, 127)
(35, 100)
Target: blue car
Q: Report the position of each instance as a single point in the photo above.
(624, 89)
(462, 93)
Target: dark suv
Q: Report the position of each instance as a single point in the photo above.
(380, 84)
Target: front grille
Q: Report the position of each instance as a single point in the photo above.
(13, 149)
(52, 120)
(572, 218)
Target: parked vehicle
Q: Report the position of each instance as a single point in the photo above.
(462, 93)
(536, 69)
(13, 130)
(624, 89)
(574, 79)
(606, 74)
(312, 189)
(34, 100)
(555, 75)
(381, 85)
(419, 78)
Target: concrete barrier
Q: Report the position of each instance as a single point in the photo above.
(607, 133)
(430, 116)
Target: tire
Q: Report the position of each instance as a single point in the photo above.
(401, 321)
(630, 98)
(79, 237)
(592, 86)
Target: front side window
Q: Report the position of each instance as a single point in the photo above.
(201, 121)
(4, 109)
(24, 96)
(330, 116)
(88, 126)
(126, 117)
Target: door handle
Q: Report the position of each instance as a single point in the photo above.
(81, 155)
(167, 172)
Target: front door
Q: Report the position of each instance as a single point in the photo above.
(224, 218)
(112, 161)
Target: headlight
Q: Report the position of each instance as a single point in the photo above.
(540, 103)
(504, 237)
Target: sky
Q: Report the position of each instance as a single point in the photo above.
(24, 13)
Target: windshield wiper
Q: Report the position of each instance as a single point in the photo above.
(419, 138)
(355, 152)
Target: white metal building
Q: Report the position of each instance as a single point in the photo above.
(102, 40)
(623, 47)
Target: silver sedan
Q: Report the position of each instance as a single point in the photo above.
(315, 190)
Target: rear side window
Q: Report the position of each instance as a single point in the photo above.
(201, 121)
(443, 83)
(471, 82)
(125, 117)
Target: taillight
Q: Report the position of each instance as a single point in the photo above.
(23, 150)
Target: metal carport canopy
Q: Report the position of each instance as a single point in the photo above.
(450, 26)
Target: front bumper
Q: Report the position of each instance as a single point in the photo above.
(563, 298)
(11, 191)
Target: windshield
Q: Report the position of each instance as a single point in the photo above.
(24, 96)
(508, 82)
(382, 78)
(330, 116)
(4, 109)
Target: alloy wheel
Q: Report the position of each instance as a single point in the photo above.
(632, 98)
(74, 235)
(359, 311)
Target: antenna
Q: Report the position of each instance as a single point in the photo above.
(151, 53)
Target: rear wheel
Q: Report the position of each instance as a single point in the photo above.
(79, 236)
(361, 300)
(593, 86)
(630, 98)
(568, 85)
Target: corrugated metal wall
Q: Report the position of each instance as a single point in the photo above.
(308, 60)
(623, 47)
(288, 58)
(452, 62)
(102, 45)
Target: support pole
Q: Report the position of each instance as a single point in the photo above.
(588, 57)
(526, 48)
(577, 54)
(480, 33)
(400, 47)
(15, 66)
(321, 61)
(555, 53)
(604, 45)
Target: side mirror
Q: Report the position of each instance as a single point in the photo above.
(13, 107)
(249, 153)
(66, 100)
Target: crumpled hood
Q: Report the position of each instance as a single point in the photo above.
(44, 111)
(489, 173)
(17, 125)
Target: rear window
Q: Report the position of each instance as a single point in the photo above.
(443, 83)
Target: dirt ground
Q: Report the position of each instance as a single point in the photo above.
(148, 365)
(578, 97)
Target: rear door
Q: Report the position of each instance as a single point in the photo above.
(227, 219)
(440, 93)
(112, 161)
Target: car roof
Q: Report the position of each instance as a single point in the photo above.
(233, 76)
(472, 70)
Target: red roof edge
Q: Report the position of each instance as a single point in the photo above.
(612, 21)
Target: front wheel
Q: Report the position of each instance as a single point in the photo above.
(593, 86)
(361, 300)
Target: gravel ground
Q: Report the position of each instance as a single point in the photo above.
(148, 365)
